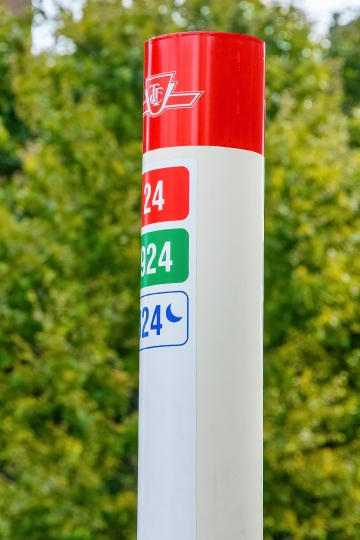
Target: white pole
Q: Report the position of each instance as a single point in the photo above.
(200, 431)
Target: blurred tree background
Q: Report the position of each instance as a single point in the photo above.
(70, 173)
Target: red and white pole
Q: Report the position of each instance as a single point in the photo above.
(200, 431)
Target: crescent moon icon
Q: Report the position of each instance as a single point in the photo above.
(170, 316)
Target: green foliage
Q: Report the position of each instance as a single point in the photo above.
(312, 325)
(345, 46)
(69, 294)
(13, 131)
(70, 168)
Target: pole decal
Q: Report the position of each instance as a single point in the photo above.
(159, 95)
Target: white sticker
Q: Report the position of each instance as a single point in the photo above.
(164, 320)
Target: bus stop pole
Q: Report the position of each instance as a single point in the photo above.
(200, 413)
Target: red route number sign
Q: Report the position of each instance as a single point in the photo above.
(165, 195)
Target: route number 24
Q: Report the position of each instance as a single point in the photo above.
(155, 321)
(158, 198)
(148, 256)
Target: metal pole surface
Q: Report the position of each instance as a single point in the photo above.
(200, 418)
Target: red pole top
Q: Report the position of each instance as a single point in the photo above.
(204, 89)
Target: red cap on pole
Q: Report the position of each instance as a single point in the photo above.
(204, 89)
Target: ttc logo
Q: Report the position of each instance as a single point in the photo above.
(159, 95)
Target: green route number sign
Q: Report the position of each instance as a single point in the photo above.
(164, 257)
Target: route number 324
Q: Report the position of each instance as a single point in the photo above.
(150, 262)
